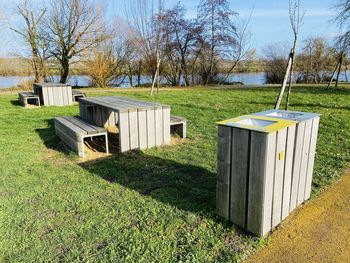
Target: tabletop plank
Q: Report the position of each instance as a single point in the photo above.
(119, 103)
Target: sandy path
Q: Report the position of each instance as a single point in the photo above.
(318, 232)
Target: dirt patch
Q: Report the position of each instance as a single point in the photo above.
(317, 232)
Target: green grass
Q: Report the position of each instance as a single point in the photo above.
(155, 205)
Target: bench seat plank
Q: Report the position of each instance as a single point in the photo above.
(89, 128)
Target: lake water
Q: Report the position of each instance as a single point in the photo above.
(76, 80)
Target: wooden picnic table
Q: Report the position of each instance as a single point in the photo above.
(53, 94)
(141, 124)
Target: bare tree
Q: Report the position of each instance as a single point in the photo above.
(145, 30)
(275, 62)
(215, 16)
(31, 32)
(178, 38)
(238, 46)
(343, 41)
(296, 16)
(72, 27)
(315, 60)
(343, 20)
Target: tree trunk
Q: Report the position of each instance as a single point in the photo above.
(64, 70)
(284, 84)
(332, 76)
(290, 82)
(339, 69)
(291, 70)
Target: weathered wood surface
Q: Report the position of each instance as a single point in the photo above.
(298, 147)
(312, 153)
(141, 124)
(73, 130)
(124, 132)
(223, 172)
(240, 149)
(54, 94)
(261, 176)
(304, 162)
(287, 181)
(178, 125)
(25, 96)
(151, 129)
(279, 177)
(77, 95)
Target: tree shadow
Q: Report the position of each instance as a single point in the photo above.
(185, 186)
(50, 139)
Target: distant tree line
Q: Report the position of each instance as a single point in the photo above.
(314, 63)
(161, 44)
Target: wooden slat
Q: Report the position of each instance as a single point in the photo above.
(89, 128)
(310, 166)
(287, 181)
(82, 111)
(278, 177)
(76, 129)
(134, 130)
(239, 176)
(60, 96)
(223, 172)
(105, 117)
(122, 103)
(304, 161)
(98, 115)
(51, 100)
(123, 125)
(176, 119)
(142, 125)
(158, 116)
(298, 147)
(75, 145)
(166, 126)
(64, 96)
(45, 99)
(55, 96)
(70, 130)
(151, 129)
(262, 159)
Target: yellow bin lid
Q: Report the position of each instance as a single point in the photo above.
(258, 123)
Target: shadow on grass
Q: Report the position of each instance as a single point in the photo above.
(50, 139)
(185, 186)
(16, 103)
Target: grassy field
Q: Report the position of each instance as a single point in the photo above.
(149, 206)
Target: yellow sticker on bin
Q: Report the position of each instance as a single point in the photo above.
(281, 156)
(258, 123)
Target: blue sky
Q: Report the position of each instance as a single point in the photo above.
(269, 21)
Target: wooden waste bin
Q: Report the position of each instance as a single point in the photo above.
(304, 153)
(255, 155)
(53, 94)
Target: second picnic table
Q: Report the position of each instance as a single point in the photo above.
(141, 124)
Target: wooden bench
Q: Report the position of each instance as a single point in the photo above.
(73, 131)
(25, 97)
(76, 95)
(178, 125)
